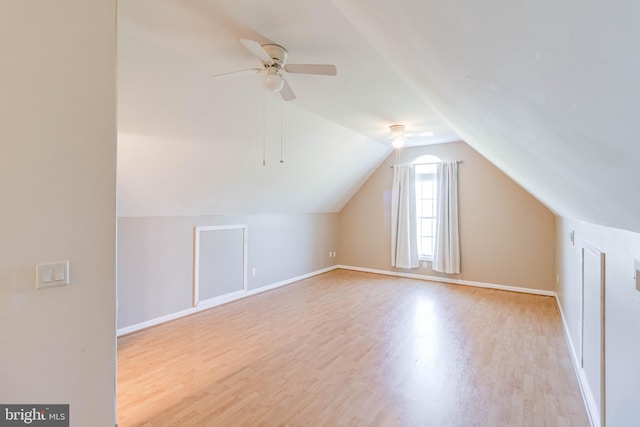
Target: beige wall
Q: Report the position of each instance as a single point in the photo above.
(506, 235)
(57, 192)
(155, 257)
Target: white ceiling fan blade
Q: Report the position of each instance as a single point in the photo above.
(239, 73)
(325, 70)
(286, 92)
(257, 50)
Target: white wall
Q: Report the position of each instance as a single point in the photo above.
(622, 309)
(155, 257)
(57, 202)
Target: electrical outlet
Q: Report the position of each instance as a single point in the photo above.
(253, 272)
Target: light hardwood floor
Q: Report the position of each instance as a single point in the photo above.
(350, 349)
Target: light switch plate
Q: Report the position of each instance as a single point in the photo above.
(52, 274)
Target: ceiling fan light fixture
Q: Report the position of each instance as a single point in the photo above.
(273, 81)
(397, 142)
(397, 133)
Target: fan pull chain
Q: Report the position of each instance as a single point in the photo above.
(264, 129)
(281, 128)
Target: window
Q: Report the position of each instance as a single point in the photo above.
(426, 204)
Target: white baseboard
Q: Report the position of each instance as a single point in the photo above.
(213, 302)
(289, 281)
(587, 396)
(453, 281)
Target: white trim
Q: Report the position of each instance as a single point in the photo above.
(289, 281)
(453, 281)
(587, 396)
(596, 410)
(196, 262)
(216, 301)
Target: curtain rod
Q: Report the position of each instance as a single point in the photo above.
(422, 164)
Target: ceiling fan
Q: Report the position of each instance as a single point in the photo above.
(274, 65)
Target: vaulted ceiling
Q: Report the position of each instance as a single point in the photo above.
(546, 90)
(189, 144)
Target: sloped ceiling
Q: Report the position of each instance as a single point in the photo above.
(548, 91)
(191, 145)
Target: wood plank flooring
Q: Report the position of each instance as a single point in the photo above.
(355, 349)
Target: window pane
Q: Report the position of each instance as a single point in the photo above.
(422, 227)
(427, 246)
(419, 207)
(426, 203)
(427, 207)
(427, 226)
(423, 246)
(427, 190)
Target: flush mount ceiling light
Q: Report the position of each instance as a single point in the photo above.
(397, 133)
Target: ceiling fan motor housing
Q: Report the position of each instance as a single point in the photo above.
(277, 53)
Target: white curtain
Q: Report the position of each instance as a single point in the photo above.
(446, 254)
(404, 240)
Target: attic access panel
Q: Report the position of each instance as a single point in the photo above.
(219, 262)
